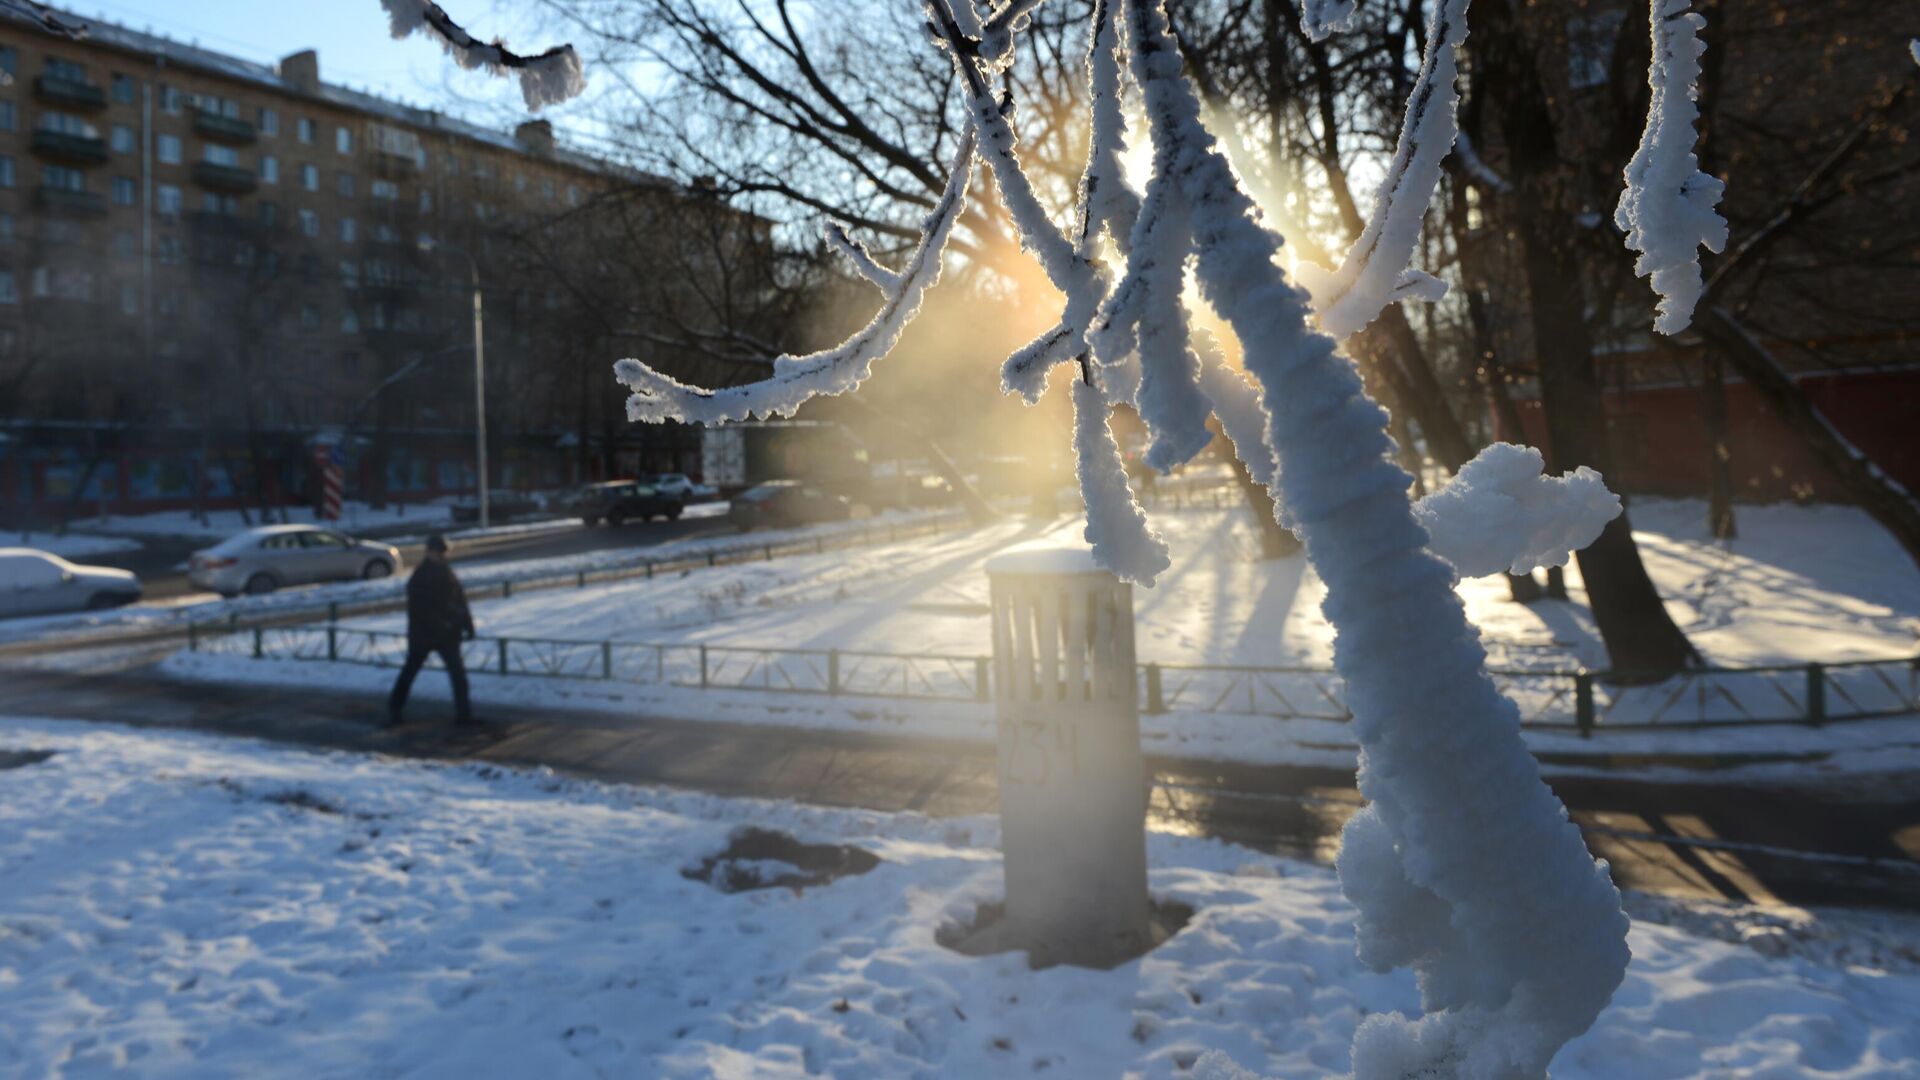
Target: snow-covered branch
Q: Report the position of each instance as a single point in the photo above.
(1375, 268)
(1464, 865)
(1501, 514)
(547, 78)
(1667, 209)
(1320, 18)
(796, 379)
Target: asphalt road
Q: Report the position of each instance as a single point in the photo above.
(158, 564)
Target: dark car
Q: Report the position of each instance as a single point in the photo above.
(782, 503)
(619, 501)
(502, 505)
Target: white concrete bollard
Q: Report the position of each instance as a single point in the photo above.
(1073, 795)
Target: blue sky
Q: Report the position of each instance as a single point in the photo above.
(355, 46)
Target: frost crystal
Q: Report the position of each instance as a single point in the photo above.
(1667, 207)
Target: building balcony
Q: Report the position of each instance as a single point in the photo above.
(226, 178)
(69, 149)
(222, 128)
(71, 93)
(59, 200)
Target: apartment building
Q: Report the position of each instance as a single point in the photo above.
(204, 261)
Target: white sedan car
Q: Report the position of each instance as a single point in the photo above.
(34, 582)
(263, 559)
(681, 486)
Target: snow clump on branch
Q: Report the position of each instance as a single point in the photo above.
(1667, 207)
(549, 78)
(1500, 513)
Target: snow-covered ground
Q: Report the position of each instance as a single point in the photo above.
(180, 905)
(72, 546)
(1801, 583)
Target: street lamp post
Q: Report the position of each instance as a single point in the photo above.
(479, 378)
(479, 388)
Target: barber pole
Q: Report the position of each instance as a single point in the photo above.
(329, 460)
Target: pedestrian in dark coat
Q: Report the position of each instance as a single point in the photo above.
(437, 622)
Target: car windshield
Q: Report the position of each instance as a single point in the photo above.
(764, 492)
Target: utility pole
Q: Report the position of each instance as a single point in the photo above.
(479, 388)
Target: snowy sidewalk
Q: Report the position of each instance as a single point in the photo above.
(201, 907)
(1293, 808)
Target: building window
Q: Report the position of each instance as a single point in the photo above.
(171, 251)
(124, 244)
(123, 190)
(170, 99)
(310, 177)
(7, 59)
(59, 176)
(343, 140)
(215, 203)
(166, 199)
(426, 201)
(129, 298)
(7, 120)
(65, 124)
(386, 189)
(573, 195)
(343, 184)
(482, 170)
(215, 154)
(349, 274)
(453, 165)
(309, 223)
(269, 121)
(309, 317)
(349, 321)
(169, 149)
(269, 169)
(269, 213)
(304, 129)
(6, 228)
(123, 87)
(9, 289)
(546, 190)
(6, 170)
(66, 69)
(348, 231)
(122, 139)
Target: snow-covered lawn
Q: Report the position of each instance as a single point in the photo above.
(1801, 583)
(179, 905)
(74, 546)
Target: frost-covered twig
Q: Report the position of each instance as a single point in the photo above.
(1464, 865)
(1667, 209)
(796, 379)
(1320, 18)
(1117, 528)
(863, 261)
(1370, 276)
(1470, 160)
(547, 78)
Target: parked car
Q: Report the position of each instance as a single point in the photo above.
(783, 503)
(272, 556)
(502, 505)
(617, 502)
(35, 582)
(681, 486)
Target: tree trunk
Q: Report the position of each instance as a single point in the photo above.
(1642, 640)
(1877, 493)
(1713, 410)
